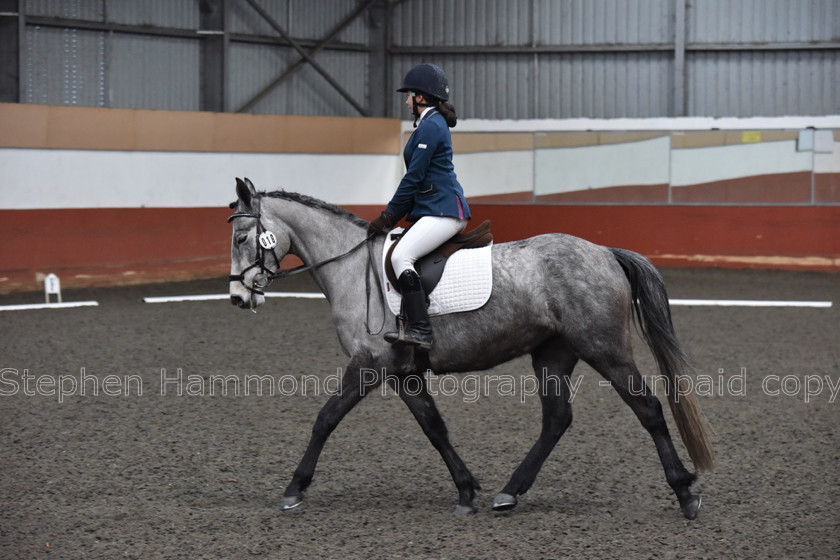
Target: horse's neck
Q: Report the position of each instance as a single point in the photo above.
(318, 235)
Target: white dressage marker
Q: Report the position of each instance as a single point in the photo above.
(52, 287)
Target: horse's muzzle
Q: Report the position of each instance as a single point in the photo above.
(247, 301)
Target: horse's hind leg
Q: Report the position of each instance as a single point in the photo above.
(354, 387)
(423, 408)
(553, 363)
(629, 384)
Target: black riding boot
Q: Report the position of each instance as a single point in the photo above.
(416, 330)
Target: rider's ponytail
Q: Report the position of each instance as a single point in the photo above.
(448, 111)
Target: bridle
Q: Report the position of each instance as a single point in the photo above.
(266, 241)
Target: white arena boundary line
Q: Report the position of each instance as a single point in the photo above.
(210, 297)
(63, 305)
(686, 302)
(749, 303)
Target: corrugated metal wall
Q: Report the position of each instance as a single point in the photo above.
(763, 21)
(254, 66)
(616, 58)
(75, 9)
(763, 57)
(764, 84)
(153, 72)
(63, 67)
(505, 58)
(306, 19)
(543, 58)
(79, 66)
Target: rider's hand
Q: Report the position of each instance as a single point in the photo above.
(383, 223)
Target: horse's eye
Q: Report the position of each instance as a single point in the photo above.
(242, 238)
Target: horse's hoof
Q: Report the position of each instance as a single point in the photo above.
(691, 508)
(290, 502)
(504, 502)
(461, 510)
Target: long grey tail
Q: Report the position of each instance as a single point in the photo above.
(653, 317)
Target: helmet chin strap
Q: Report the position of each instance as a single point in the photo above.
(415, 111)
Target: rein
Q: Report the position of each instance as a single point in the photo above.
(267, 241)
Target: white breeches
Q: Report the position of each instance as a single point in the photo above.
(427, 234)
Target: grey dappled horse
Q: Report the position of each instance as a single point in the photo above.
(556, 297)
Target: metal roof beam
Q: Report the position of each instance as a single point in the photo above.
(213, 57)
(307, 57)
(614, 48)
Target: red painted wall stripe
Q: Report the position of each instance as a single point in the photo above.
(133, 245)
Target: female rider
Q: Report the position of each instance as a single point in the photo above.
(429, 194)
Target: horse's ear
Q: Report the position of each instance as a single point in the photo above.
(245, 191)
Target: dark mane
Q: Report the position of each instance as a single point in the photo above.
(316, 203)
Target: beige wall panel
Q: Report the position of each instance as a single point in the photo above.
(472, 142)
(23, 126)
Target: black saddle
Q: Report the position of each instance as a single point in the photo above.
(430, 268)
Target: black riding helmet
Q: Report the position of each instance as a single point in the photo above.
(428, 79)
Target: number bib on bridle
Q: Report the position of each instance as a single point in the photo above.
(267, 240)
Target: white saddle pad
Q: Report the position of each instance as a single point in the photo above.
(466, 284)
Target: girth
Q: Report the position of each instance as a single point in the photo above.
(430, 267)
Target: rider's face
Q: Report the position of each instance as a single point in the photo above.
(410, 104)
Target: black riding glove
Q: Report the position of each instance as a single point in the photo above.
(383, 223)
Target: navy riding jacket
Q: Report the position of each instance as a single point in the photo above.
(429, 186)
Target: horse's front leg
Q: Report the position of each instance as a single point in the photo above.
(423, 407)
(354, 386)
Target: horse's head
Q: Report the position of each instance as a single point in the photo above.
(257, 246)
